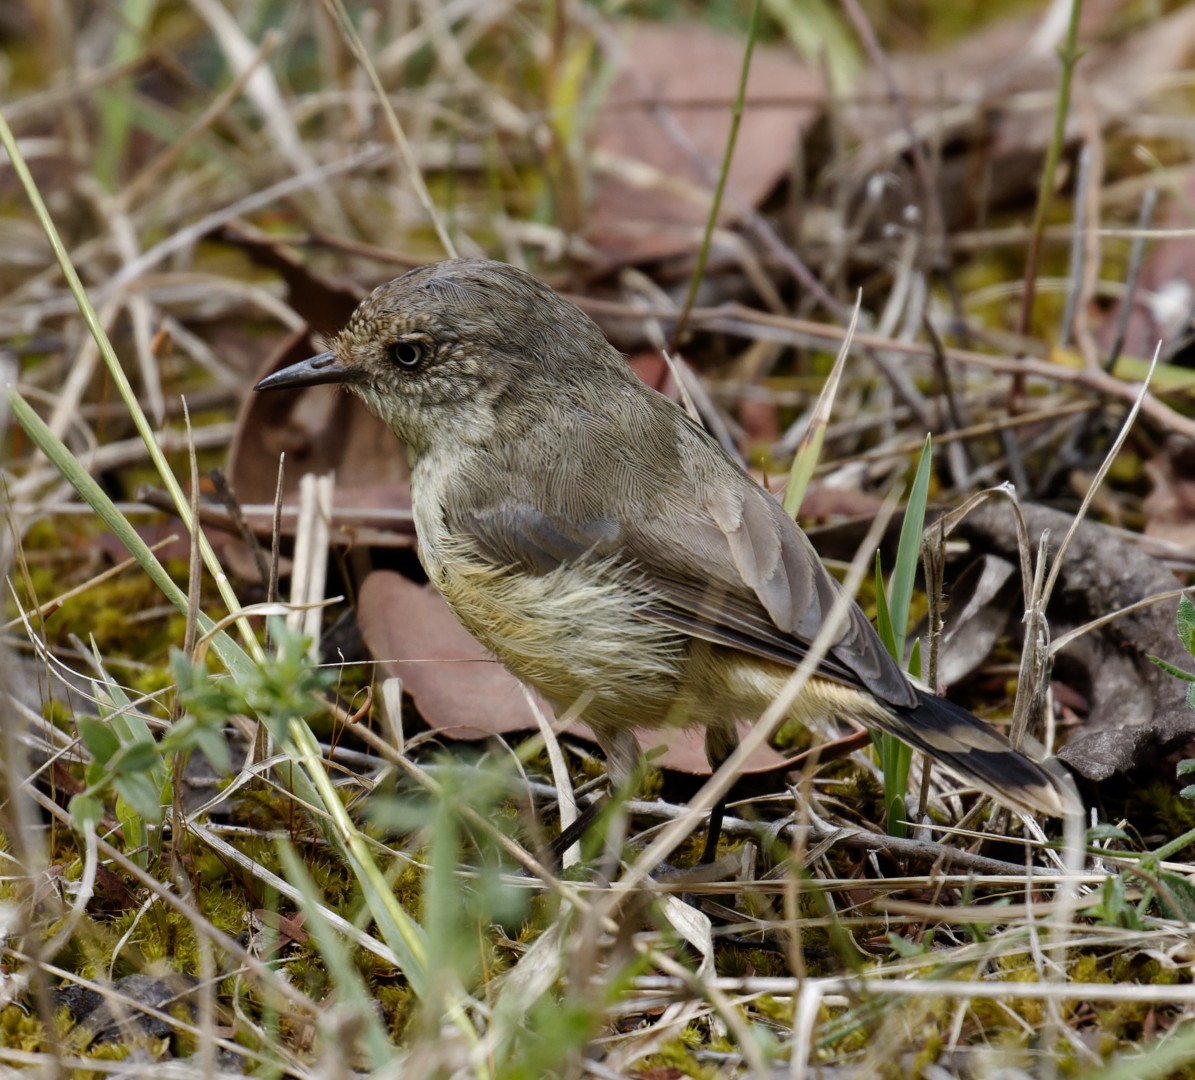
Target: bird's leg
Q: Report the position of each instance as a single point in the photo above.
(719, 745)
(622, 763)
(717, 812)
(575, 831)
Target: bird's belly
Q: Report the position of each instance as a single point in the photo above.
(577, 634)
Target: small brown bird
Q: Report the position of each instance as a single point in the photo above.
(602, 545)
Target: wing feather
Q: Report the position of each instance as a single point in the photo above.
(715, 555)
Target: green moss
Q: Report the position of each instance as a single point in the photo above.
(21, 1030)
(680, 1054)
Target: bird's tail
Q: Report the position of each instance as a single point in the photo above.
(980, 754)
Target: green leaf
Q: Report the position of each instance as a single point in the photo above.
(1104, 831)
(98, 737)
(85, 809)
(137, 757)
(132, 824)
(1170, 669)
(915, 659)
(210, 742)
(1178, 896)
(1186, 623)
(883, 618)
(908, 552)
(141, 792)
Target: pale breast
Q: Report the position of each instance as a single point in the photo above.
(574, 632)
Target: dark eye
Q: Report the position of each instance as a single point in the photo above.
(407, 354)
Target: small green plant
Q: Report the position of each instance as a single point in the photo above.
(1186, 634)
(892, 620)
(128, 760)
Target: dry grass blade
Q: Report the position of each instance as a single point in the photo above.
(224, 178)
(809, 449)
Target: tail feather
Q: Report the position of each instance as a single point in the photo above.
(980, 754)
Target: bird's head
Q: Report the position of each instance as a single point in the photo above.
(451, 349)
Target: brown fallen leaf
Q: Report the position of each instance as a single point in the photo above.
(652, 198)
(462, 692)
(1170, 506)
(988, 101)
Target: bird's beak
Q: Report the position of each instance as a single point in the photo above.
(325, 368)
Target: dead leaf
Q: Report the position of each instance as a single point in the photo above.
(652, 199)
(1170, 506)
(981, 601)
(989, 100)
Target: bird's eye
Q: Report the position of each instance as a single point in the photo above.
(407, 355)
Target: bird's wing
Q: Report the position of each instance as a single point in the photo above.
(721, 562)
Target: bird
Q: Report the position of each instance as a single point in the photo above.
(598, 542)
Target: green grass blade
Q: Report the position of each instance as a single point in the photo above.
(234, 658)
(908, 552)
(810, 448)
(883, 615)
(892, 621)
(120, 380)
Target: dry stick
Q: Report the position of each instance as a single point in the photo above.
(124, 239)
(781, 986)
(1058, 644)
(735, 318)
(424, 777)
(276, 534)
(21, 826)
(1136, 256)
(237, 516)
(957, 453)
(1081, 439)
(66, 405)
(1038, 657)
(261, 91)
(337, 10)
(201, 925)
(732, 318)
(700, 984)
(1068, 55)
(950, 438)
(186, 237)
(750, 217)
(1089, 280)
(897, 308)
(80, 84)
(1098, 479)
(933, 203)
(933, 560)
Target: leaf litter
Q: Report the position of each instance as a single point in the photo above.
(588, 150)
